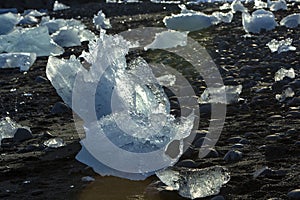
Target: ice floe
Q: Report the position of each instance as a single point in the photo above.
(55, 143)
(100, 21)
(281, 46)
(17, 60)
(291, 21)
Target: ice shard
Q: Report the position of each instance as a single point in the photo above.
(8, 22)
(54, 143)
(281, 73)
(291, 21)
(213, 95)
(260, 19)
(194, 183)
(32, 40)
(59, 6)
(100, 21)
(238, 6)
(288, 92)
(7, 128)
(21, 60)
(127, 121)
(281, 46)
(54, 25)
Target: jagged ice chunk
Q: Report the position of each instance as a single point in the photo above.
(281, 73)
(291, 21)
(281, 46)
(22, 60)
(224, 95)
(100, 21)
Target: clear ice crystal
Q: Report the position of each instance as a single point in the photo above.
(281, 73)
(13, 60)
(59, 6)
(260, 19)
(132, 111)
(223, 95)
(7, 128)
(291, 21)
(32, 40)
(281, 46)
(194, 183)
(55, 143)
(100, 21)
(8, 22)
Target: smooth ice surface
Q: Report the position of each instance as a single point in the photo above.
(168, 39)
(7, 128)
(8, 22)
(32, 40)
(260, 19)
(59, 6)
(238, 6)
(189, 20)
(55, 143)
(281, 46)
(291, 21)
(194, 183)
(214, 95)
(277, 5)
(288, 92)
(21, 60)
(281, 73)
(100, 21)
(132, 120)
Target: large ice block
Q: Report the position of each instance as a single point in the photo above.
(32, 40)
(194, 183)
(21, 60)
(8, 22)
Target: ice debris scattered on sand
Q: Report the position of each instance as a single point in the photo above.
(281, 73)
(277, 5)
(168, 39)
(59, 6)
(224, 95)
(260, 19)
(100, 21)
(21, 60)
(32, 40)
(135, 120)
(194, 183)
(291, 21)
(189, 20)
(7, 128)
(281, 46)
(55, 143)
(8, 22)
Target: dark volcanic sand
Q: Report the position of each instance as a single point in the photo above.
(55, 174)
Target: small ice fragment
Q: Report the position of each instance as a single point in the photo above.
(194, 183)
(54, 25)
(291, 21)
(260, 19)
(237, 6)
(13, 60)
(166, 80)
(223, 17)
(66, 37)
(32, 40)
(224, 95)
(100, 21)
(33, 13)
(281, 73)
(59, 6)
(168, 39)
(258, 4)
(55, 143)
(7, 128)
(277, 5)
(13, 90)
(8, 22)
(225, 6)
(189, 20)
(87, 179)
(281, 46)
(288, 92)
(28, 20)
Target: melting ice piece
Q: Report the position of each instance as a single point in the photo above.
(281, 46)
(260, 19)
(132, 120)
(216, 95)
(59, 6)
(288, 92)
(194, 183)
(237, 6)
(277, 5)
(258, 4)
(281, 73)
(56, 24)
(100, 21)
(8, 22)
(168, 39)
(28, 20)
(32, 40)
(291, 21)
(223, 17)
(55, 143)
(7, 128)
(33, 13)
(22, 60)
(190, 20)
(225, 6)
